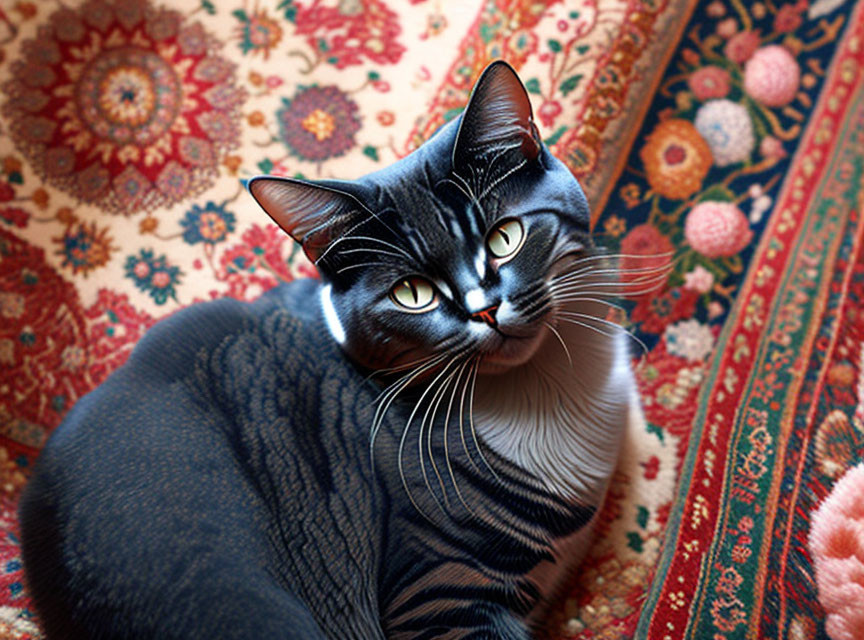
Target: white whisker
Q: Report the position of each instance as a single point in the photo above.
(561, 340)
(471, 420)
(405, 437)
(446, 443)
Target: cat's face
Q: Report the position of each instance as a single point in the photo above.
(447, 256)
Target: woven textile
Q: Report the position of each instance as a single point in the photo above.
(725, 139)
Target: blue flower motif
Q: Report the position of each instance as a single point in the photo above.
(209, 225)
(153, 275)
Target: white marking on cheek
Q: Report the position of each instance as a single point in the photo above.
(330, 317)
(475, 300)
(480, 263)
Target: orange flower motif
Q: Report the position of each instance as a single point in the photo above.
(232, 163)
(148, 225)
(11, 164)
(65, 215)
(255, 119)
(40, 198)
(630, 194)
(676, 159)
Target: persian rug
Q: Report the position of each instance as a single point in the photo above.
(725, 139)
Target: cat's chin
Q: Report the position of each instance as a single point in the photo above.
(511, 352)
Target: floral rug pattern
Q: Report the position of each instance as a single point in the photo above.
(722, 139)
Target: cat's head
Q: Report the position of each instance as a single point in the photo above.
(449, 251)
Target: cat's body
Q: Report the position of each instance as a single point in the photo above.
(239, 478)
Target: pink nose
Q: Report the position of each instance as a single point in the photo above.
(486, 315)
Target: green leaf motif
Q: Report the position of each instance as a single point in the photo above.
(634, 541)
(533, 85)
(208, 7)
(371, 151)
(554, 45)
(642, 517)
(555, 136)
(571, 83)
(240, 15)
(582, 49)
(266, 165)
(717, 193)
(653, 428)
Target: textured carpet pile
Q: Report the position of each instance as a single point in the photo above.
(724, 138)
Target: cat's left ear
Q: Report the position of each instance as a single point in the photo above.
(314, 215)
(498, 119)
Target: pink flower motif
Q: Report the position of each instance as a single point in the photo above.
(700, 280)
(716, 9)
(788, 19)
(273, 81)
(727, 28)
(741, 46)
(772, 76)
(771, 147)
(717, 229)
(715, 310)
(548, 111)
(709, 82)
(837, 547)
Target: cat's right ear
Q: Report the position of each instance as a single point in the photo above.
(312, 214)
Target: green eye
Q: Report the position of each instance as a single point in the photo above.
(413, 294)
(506, 239)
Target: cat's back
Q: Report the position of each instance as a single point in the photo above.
(181, 478)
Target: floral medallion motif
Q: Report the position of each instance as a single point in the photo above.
(209, 225)
(258, 32)
(153, 275)
(84, 247)
(676, 159)
(123, 105)
(318, 123)
(43, 353)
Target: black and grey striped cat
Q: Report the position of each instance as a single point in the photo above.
(240, 477)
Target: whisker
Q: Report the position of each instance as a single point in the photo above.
(561, 340)
(471, 420)
(594, 300)
(400, 367)
(436, 402)
(462, 413)
(619, 288)
(446, 442)
(347, 237)
(570, 275)
(618, 256)
(392, 392)
(368, 250)
(569, 315)
(402, 448)
(362, 264)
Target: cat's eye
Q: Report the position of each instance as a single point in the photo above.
(414, 294)
(506, 239)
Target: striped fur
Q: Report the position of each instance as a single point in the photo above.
(240, 477)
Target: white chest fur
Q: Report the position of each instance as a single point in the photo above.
(562, 422)
(565, 424)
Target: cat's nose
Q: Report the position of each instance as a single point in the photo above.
(486, 315)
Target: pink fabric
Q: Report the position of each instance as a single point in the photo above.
(837, 546)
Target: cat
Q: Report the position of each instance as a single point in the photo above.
(414, 446)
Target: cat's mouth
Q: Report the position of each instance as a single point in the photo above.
(501, 352)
